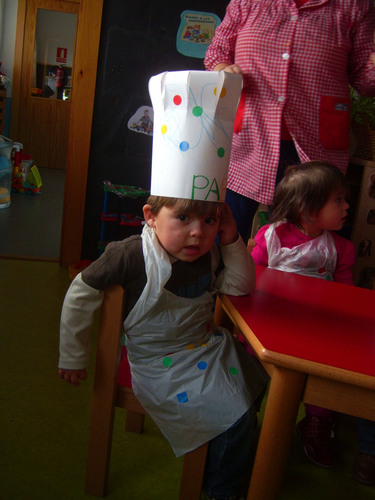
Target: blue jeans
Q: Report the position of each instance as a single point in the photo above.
(229, 458)
(366, 436)
(244, 208)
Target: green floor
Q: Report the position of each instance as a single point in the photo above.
(44, 422)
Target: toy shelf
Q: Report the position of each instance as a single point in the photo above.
(116, 220)
(363, 230)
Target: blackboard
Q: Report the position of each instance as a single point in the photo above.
(138, 40)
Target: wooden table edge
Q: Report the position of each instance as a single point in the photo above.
(290, 362)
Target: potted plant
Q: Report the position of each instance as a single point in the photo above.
(362, 118)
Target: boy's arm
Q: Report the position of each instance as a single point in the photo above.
(80, 304)
(238, 275)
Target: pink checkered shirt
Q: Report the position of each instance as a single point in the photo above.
(297, 63)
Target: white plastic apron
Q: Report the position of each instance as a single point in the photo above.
(187, 376)
(316, 258)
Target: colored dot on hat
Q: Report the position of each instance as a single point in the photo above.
(184, 146)
(202, 365)
(177, 100)
(190, 346)
(167, 361)
(163, 129)
(220, 152)
(182, 398)
(197, 111)
(233, 370)
(223, 92)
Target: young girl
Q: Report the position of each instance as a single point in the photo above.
(194, 379)
(309, 206)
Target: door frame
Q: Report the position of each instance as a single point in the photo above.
(83, 87)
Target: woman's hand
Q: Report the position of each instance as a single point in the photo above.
(229, 68)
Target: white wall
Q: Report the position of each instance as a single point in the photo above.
(8, 39)
(55, 29)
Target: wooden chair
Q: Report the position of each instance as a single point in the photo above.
(108, 393)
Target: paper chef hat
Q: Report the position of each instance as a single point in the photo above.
(194, 114)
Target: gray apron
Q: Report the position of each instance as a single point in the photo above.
(188, 375)
(316, 258)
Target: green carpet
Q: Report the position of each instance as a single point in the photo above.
(44, 422)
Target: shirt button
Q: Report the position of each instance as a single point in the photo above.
(286, 56)
(294, 18)
(281, 98)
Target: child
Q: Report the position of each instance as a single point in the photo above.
(309, 205)
(194, 379)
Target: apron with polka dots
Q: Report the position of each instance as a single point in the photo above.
(316, 258)
(193, 379)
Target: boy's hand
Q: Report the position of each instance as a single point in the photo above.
(228, 228)
(72, 376)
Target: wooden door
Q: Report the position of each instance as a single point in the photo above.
(43, 122)
(82, 105)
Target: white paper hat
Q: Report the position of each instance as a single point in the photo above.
(194, 114)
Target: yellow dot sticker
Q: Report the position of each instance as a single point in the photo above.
(223, 92)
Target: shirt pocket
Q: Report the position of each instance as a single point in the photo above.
(334, 121)
(237, 127)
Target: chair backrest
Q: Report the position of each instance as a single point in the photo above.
(105, 390)
(108, 394)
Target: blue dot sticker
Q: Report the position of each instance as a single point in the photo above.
(184, 146)
(182, 398)
(202, 365)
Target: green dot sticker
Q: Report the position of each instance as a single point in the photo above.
(220, 152)
(233, 370)
(197, 111)
(167, 361)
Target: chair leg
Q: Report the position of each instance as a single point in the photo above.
(192, 473)
(104, 394)
(134, 421)
(99, 450)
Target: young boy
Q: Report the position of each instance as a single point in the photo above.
(194, 379)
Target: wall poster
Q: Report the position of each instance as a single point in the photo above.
(196, 32)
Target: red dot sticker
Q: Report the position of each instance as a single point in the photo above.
(177, 100)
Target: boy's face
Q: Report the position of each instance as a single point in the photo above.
(184, 236)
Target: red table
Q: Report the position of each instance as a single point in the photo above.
(317, 340)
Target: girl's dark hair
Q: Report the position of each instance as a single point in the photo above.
(185, 206)
(305, 189)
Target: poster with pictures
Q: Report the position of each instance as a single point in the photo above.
(142, 121)
(196, 32)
